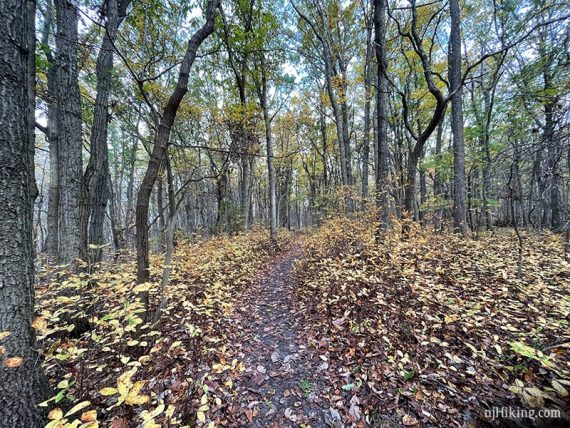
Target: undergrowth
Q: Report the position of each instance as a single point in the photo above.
(435, 328)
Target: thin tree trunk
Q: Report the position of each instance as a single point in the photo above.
(368, 76)
(437, 184)
(269, 141)
(161, 143)
(455, 87)
(382, 171)
(130, 189)
(53, 145)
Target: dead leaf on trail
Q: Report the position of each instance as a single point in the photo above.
(409, 420)
(13, 362)
(290, 415)
(354, 410)
(249, 414)
(119, 422)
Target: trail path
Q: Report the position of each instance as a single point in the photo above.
(281, 386)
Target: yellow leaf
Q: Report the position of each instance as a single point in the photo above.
(133, 397)
(89, 416)
(108, 391)
(563, 392)
(78, 407)
(40, 324)
(4, 334)
(140, 288)
(55, 414)
(124, 382)
(201, 416)
(159, 409)
(169, 411)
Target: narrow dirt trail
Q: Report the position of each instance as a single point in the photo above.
(281, 385)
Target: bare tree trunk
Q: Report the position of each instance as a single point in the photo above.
(53, 192)
(97, 171)
(437, 185)
(73, 231)
(161, 143)
(262, 91)
(552, 157)
(382, 171)
(22, 383)
(455, 87)
(130, 190)
(115, 232)
(368, 76)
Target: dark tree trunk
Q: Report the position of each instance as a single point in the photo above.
(262, 92)
(97, 171)
(131, 183)
(382, 168)
(22, 383)
(455, 87)
(161, 143)
(552, 157)
(437, 184)
(72, 231)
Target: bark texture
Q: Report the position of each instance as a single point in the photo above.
(163, 136)
(455, 87)
(382, 165)
(22, 384)
(72, 233)
(97, 171)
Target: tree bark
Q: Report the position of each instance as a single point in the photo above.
(52, 244)
(161, 143)
(97, 172)
(22, 383)
(72, 233)
(382, 168)
(455, 87)
(269, 142)
(368, 76)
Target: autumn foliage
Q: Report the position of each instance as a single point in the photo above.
(114, 369)
(436, 328)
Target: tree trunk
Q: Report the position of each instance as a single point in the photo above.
(368, 76)
(553, 175)
(269, 141)
(161, 143)
(455, 87)
(72, 236)
(437, 184)
(53, 145)
(382, 171)
(22, 383)
(131, 182)
(97, 171)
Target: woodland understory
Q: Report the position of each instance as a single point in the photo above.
(428, 331)
(284, 213)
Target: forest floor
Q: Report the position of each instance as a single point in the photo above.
(334, 330)
(281, 385)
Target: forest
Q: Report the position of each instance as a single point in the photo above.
(284, 213)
